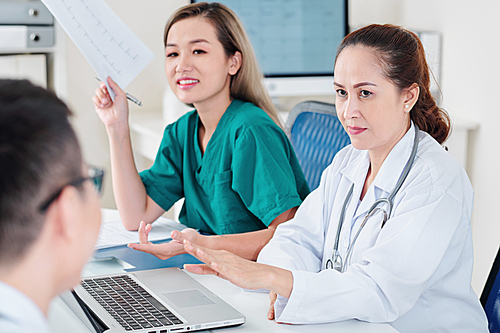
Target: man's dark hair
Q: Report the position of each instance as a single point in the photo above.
(39, 154)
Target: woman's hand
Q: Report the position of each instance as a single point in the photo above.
(272, 299)
(241, 272)
(162, 251)
(187, 234)
(111, 113)
(143, 231)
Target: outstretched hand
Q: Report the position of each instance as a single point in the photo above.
(241, 272)
(188, 234)
(165, 250)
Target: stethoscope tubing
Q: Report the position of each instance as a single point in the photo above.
(336, 261)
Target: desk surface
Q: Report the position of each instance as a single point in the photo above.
(253, 305)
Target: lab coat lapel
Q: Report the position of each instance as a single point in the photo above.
(368, 200)
(356, 172)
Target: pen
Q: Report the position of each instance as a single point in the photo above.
(130, 97)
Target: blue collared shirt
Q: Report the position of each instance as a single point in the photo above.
(19, 313)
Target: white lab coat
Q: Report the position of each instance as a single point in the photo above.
(414, 273)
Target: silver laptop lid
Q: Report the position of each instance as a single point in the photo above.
(160, 300)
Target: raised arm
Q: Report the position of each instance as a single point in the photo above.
(132, 201)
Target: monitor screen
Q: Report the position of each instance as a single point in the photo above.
(293, 38)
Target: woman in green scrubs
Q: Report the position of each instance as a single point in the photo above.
(229, 158)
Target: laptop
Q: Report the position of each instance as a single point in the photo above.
(160, 301)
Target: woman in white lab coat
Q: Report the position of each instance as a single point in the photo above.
(415, 271)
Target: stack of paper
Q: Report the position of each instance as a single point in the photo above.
(113, 233)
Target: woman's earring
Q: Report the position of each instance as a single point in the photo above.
(407, 108)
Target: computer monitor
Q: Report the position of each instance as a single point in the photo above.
(295, 41)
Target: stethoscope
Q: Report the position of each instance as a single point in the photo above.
(336, 261)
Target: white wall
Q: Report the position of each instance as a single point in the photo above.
(364, 12)
(470, 75)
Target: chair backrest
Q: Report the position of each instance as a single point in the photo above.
(316, 135)
(490, 297)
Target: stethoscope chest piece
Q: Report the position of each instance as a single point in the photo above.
(335, 263)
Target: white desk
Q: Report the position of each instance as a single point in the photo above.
(253, 305)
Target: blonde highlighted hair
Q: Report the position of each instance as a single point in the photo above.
(246, 85)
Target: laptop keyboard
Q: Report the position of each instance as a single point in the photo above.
(128, 303)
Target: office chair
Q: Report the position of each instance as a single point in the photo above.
(490, 297)
(316, 135)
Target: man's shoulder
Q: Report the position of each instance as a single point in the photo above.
(20, 313)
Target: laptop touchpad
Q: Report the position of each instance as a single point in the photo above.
(187, 298)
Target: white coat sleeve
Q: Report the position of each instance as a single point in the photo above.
(393, 273)
(298, 244)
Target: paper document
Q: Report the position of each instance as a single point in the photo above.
(110, 47)
(113, 233)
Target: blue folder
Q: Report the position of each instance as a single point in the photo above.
(143, 261)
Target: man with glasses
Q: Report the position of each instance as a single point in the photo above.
(49, 209)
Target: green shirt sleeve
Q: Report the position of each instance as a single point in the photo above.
(163, 181)
(263, 175)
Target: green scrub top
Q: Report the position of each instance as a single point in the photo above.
(248, 175)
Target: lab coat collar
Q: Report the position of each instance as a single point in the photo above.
(388, 175)
(356, 169)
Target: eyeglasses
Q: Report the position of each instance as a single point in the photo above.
(96, 175)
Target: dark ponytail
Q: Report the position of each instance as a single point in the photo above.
(403, 62)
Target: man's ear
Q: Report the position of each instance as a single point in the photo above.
(61, 214)
(411, 95)
(235, 63)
